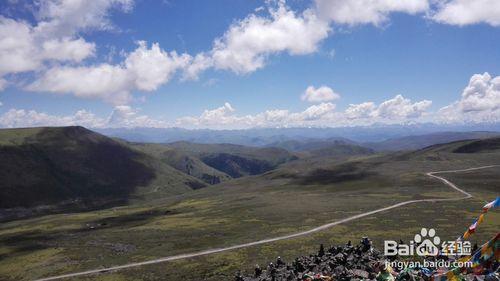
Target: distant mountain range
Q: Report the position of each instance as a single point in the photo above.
(268, 136)
(420, 141)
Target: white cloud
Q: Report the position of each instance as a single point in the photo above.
(200, 63)
(245, 46)
(397, 109)
(218, 118)
(143, 69)
(354, 12)
(121, 117)
(275, 116)
(465, 12)
(18, 51)
(220, 112)
(153, 67)
(401, 108)
(65, 17)
(67, 49)
(3, 84)
(393, 111)
(320, 94)
(54, 37)
(224, 117)
(480, 101)
(15, 118)
(110, 83)
(124, 116)
(482, 93)
(314, 112)
(359, 111)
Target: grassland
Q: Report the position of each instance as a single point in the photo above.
(298, 196)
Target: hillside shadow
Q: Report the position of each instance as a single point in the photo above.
(67, 164)
(342, 173)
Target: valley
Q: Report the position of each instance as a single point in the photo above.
(303, 192)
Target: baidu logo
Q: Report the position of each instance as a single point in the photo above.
(427, 243)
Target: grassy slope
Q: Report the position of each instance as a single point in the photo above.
(236, 160)
(279, 202)
(421, 141)
(182, 161)
(310, 144)
(50, 165)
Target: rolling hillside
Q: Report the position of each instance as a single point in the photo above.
(296, 196)
(52, 165)
(236, 160)
(421, 141)
(183, 162)
(310, 144)
(478, 146)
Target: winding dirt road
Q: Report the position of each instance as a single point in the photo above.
(465, 195)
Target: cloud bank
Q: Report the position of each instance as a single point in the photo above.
(478, 103)
(54, 47)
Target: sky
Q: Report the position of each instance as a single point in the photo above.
(233, 64)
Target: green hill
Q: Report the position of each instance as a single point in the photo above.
(54, 165)
(183, 162)
(486, 145)
(340, 150)
(422, 141)
(310, 144)
(236, 160)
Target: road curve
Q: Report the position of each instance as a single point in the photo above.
(465, 194)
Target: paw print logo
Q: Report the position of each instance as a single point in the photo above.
(427, 242)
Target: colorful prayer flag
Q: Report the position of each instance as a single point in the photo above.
(493, 204)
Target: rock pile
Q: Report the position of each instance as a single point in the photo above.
(348, 262)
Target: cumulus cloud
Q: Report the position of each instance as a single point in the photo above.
(315, 112)
(481, 94)
(274, 116)
(395, 110)
(153, 67)
(65, 17)
(247, 43)
(198, 64)
(480, 101)
(108, 82)
(360, 111)
(320, 94)
(465, 12)
(124, 116)
(66, 49)
(3, 84)
(376, 12)
(400, 107)
(121, 117)
(225, 117)
(17, 47)
(26, 47)
(143, 69)
(219, 118)
(16, 118)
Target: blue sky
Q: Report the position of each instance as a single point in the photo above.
(425, 52)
